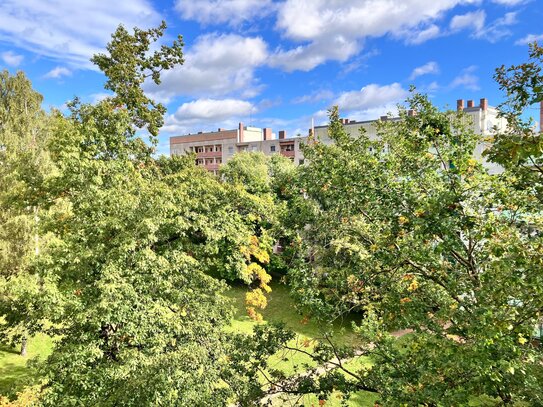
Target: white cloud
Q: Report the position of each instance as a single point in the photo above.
(98, 97)
(213, 109)
(194, 116)
(231, 12)
(307, 57)
(474, 20)
(426, 69)
(58, 72)
(314, 97)
(509, 3)
(70, 31)
(467, 79)
(492, 32)
(12, 59)
(216, 65)
(418, 37)
(336, 29)
(529, 39)
(371, 97)
(498, 29)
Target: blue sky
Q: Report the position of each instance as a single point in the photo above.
(278, 63)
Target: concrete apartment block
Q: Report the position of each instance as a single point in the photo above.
(217, 147)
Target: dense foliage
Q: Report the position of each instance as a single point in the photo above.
(122, 257)
(413, 233)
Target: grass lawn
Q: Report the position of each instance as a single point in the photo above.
(14, 374)
(281, 309)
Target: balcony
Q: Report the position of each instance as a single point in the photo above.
(209, 154)
(287, 153)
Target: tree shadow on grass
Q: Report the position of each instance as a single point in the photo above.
(14, 378)
(8, 349)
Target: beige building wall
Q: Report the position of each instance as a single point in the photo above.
(215, 148)
(484, 118)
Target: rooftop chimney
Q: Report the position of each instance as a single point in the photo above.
(460, 105)
(240, 132)
(384, 118)
(282, 134)
(470, 103)
(483, 103)
(267, 133)
(220, 129)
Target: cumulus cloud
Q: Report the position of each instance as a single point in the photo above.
(58, 72)
(231, 12)
(371, 97)
(426, 69)
(336, 29)
(11, 59)
(195, 115)
(529, 39)
(217, 65)
(70, 31)
(475, 21)
(467, 79)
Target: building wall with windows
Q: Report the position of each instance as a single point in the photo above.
(484, 120)
(215, 148)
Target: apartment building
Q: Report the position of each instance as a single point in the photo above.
(217, 147)
(484, 120)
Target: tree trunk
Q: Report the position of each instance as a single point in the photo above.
(23, 346)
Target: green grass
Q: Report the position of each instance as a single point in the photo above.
(281, 309)
(15, 375)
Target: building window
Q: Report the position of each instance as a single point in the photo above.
(218, 160)
(209, 161)
(288, 147)
(218, 148)
(230, 150)
(301, 161)
(254, 148)
(272, 149)
(242, 148)
(199, 149)
(209, 149)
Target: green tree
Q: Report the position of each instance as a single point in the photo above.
(414, 234)
(129, 63)
(518, 147)
(138, 240)
(25, 293)
(260, 179)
